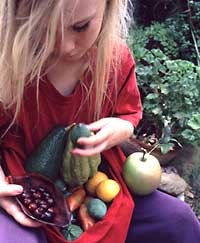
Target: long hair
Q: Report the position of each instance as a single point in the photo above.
(27, 39)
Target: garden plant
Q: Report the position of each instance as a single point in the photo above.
(165, 42)
(169, 83)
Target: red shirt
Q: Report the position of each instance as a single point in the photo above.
(54, 109)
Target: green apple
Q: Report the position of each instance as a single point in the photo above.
(142, 173)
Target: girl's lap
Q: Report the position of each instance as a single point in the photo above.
(12, 232)
(159, 217)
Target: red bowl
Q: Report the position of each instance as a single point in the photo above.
(61, 212)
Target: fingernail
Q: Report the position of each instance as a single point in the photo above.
(19, 189)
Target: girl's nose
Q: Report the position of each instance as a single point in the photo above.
(68, 45)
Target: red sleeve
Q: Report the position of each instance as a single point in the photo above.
(128, 105)
(11, 146)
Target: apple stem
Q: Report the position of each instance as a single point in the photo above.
(144, 153)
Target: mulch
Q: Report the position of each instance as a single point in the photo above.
(193, 199)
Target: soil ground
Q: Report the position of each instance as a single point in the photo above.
(193, 199)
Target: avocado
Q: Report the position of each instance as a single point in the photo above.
(47, 157)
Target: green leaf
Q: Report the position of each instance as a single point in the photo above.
(194, 122)
(156, 110)
(188, 134)
(152, 96)
(164, 90)
(166, 147)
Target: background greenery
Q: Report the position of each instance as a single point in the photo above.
(168, 65)
(165, 42)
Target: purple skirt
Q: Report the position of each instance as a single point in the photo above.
(160, 218)
(12, 232)
(157, 218)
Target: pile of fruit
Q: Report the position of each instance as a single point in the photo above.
(88, 203)
(87, 191)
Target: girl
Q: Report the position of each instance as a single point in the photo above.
(62, 62)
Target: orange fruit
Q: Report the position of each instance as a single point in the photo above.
(93, 182)
(107, 190)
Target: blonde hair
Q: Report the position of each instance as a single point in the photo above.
(26, 45)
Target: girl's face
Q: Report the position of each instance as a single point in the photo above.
(82, 24)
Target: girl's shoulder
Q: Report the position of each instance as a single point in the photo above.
(126, 54)
(125, 61)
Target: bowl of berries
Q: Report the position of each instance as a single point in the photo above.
(41, 200)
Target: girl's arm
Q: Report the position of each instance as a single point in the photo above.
(114, 130)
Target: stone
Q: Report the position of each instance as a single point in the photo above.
(181, 196)
(171, 182)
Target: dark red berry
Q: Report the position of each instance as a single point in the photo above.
(50, 201)
(46, 194)
(41, 189)
(48, 216)
(27, 201)
(32, 206)
(26, 194)
(38, 201)
(32, 190)
(44, 206)
(40, 209)
(37, 195)
(51, 210)
(37, 213)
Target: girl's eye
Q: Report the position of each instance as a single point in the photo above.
(80, 28)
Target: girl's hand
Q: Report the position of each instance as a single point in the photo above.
(9, 204)
(108, 132)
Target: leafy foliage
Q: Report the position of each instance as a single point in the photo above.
(178, 36)
(170, 86)
(155, 36)
(185, 29)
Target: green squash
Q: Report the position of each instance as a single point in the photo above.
(76, 170)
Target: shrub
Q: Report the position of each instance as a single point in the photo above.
(155, 36)
(185, 29)
(178, 36)
(170, 88)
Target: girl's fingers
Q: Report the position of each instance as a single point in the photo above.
(95, 126)
(10, 206)
(98, 138)
(109, 132)
(90, 151)
(10, 190)
(21, 218)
